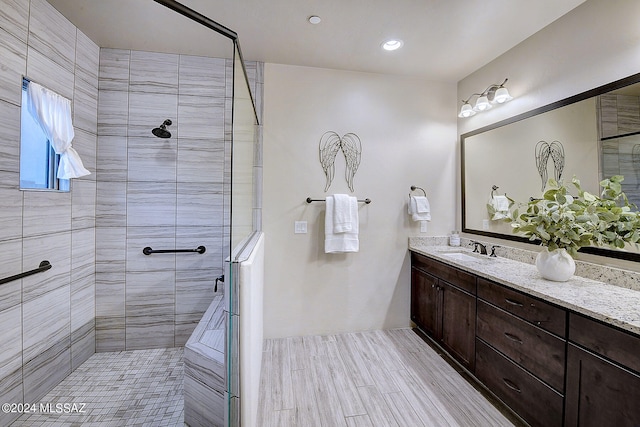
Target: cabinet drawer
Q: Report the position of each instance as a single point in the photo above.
(612, 343)
(538, 351)
(533, 400)
(540, 313)
(456, 277)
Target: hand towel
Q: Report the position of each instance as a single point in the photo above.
(500, 205)
(340, 242)
(419, 208)
(342, 215)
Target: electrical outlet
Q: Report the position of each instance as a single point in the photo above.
(423, 226)
(485, 224)
(300, 227)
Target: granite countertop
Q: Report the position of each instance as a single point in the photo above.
(611, 304)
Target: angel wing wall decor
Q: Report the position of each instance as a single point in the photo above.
(544, 150)
(351, 147)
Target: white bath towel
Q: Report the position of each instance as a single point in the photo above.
(419, 208)
(342, 215)
(340, 242)
(500, 205)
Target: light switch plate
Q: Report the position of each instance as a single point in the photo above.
(300, 227)
(423, 226)
(485, 224)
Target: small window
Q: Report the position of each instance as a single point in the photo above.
(38, 161)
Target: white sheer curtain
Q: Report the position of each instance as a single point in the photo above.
(53, 112)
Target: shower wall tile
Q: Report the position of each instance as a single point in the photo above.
(200, 117)
(46, 370)
(149, 110)
(201, 160)
(55, 248)
(110, 248)
(150, 308)
(113, 114)
(87, 59)
(110, 334)
(10, 264)
(110, 293)
(46, 321)
(153, 72)
(11, 349)
(628, 114)
(228, 75)
(46, 212)
(14, 57)
(151, 204)
(51, 34)
(194, 291)
(114, 70)
(201, 76)
(152, 159)
(192, 237)
(85, 144)
(111, 158)
(111, 207)
(184, 327)
(83, 258)
(83, 344)
(83, 205)
(10, 214)
(12, 391)
(85, 105)
(199, 204)
(156, 238)
(14, 18)
(10, 137)
(43, 70)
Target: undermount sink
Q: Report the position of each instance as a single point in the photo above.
(465, 256)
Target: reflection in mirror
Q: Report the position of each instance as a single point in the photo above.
(592, 136)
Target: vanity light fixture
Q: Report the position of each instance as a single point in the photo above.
(392, 44)
(494, 94)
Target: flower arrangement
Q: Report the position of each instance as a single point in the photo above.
(560, 220)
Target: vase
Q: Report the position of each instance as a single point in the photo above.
(556, 265)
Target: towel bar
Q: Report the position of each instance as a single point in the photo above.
(414, 188)
(309, 200)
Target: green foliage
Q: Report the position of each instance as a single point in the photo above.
(560, 220)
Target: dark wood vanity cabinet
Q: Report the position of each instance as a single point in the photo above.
(551, 366)
(443, 305)
(603, 375)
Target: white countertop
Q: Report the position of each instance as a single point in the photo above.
(611, 304)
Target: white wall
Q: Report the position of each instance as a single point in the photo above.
(596, 43)
(408, 133)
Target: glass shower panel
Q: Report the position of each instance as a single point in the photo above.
(243, 225)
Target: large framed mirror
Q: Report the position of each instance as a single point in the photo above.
(592, 135)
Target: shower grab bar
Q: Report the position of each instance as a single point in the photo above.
(309, 200)
(149, 251)
(44, 266)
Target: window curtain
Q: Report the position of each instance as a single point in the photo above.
(53, 112)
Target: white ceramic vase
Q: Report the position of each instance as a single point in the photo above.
(556, 265)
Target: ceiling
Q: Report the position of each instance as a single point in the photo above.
(444, 40)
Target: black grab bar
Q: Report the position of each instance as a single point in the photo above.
(44, 266)
(149, 251)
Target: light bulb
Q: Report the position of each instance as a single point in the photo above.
(502, 95)
(482, 104)
(466, 111)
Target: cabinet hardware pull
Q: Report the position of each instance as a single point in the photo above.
(513, 337)
(512, 385)
(512, 302)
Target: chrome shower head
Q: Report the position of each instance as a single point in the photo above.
(162, 132)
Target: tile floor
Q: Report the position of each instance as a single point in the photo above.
(127, 388)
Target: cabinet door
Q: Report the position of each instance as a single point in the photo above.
(600, 393)
(424, 302)
(458, 324)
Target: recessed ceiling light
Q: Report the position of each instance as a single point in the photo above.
(392, 44)
(315, 19)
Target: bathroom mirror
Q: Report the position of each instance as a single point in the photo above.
(592, 135)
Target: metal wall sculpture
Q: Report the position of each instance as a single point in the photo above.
(351, 147)
(544, 150)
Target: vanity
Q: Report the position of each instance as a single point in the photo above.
(558, 354)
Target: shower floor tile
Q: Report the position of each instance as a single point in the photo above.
(127, 388)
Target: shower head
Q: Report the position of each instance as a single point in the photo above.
(162, 131)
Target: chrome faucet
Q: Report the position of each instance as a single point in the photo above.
(483, 248)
